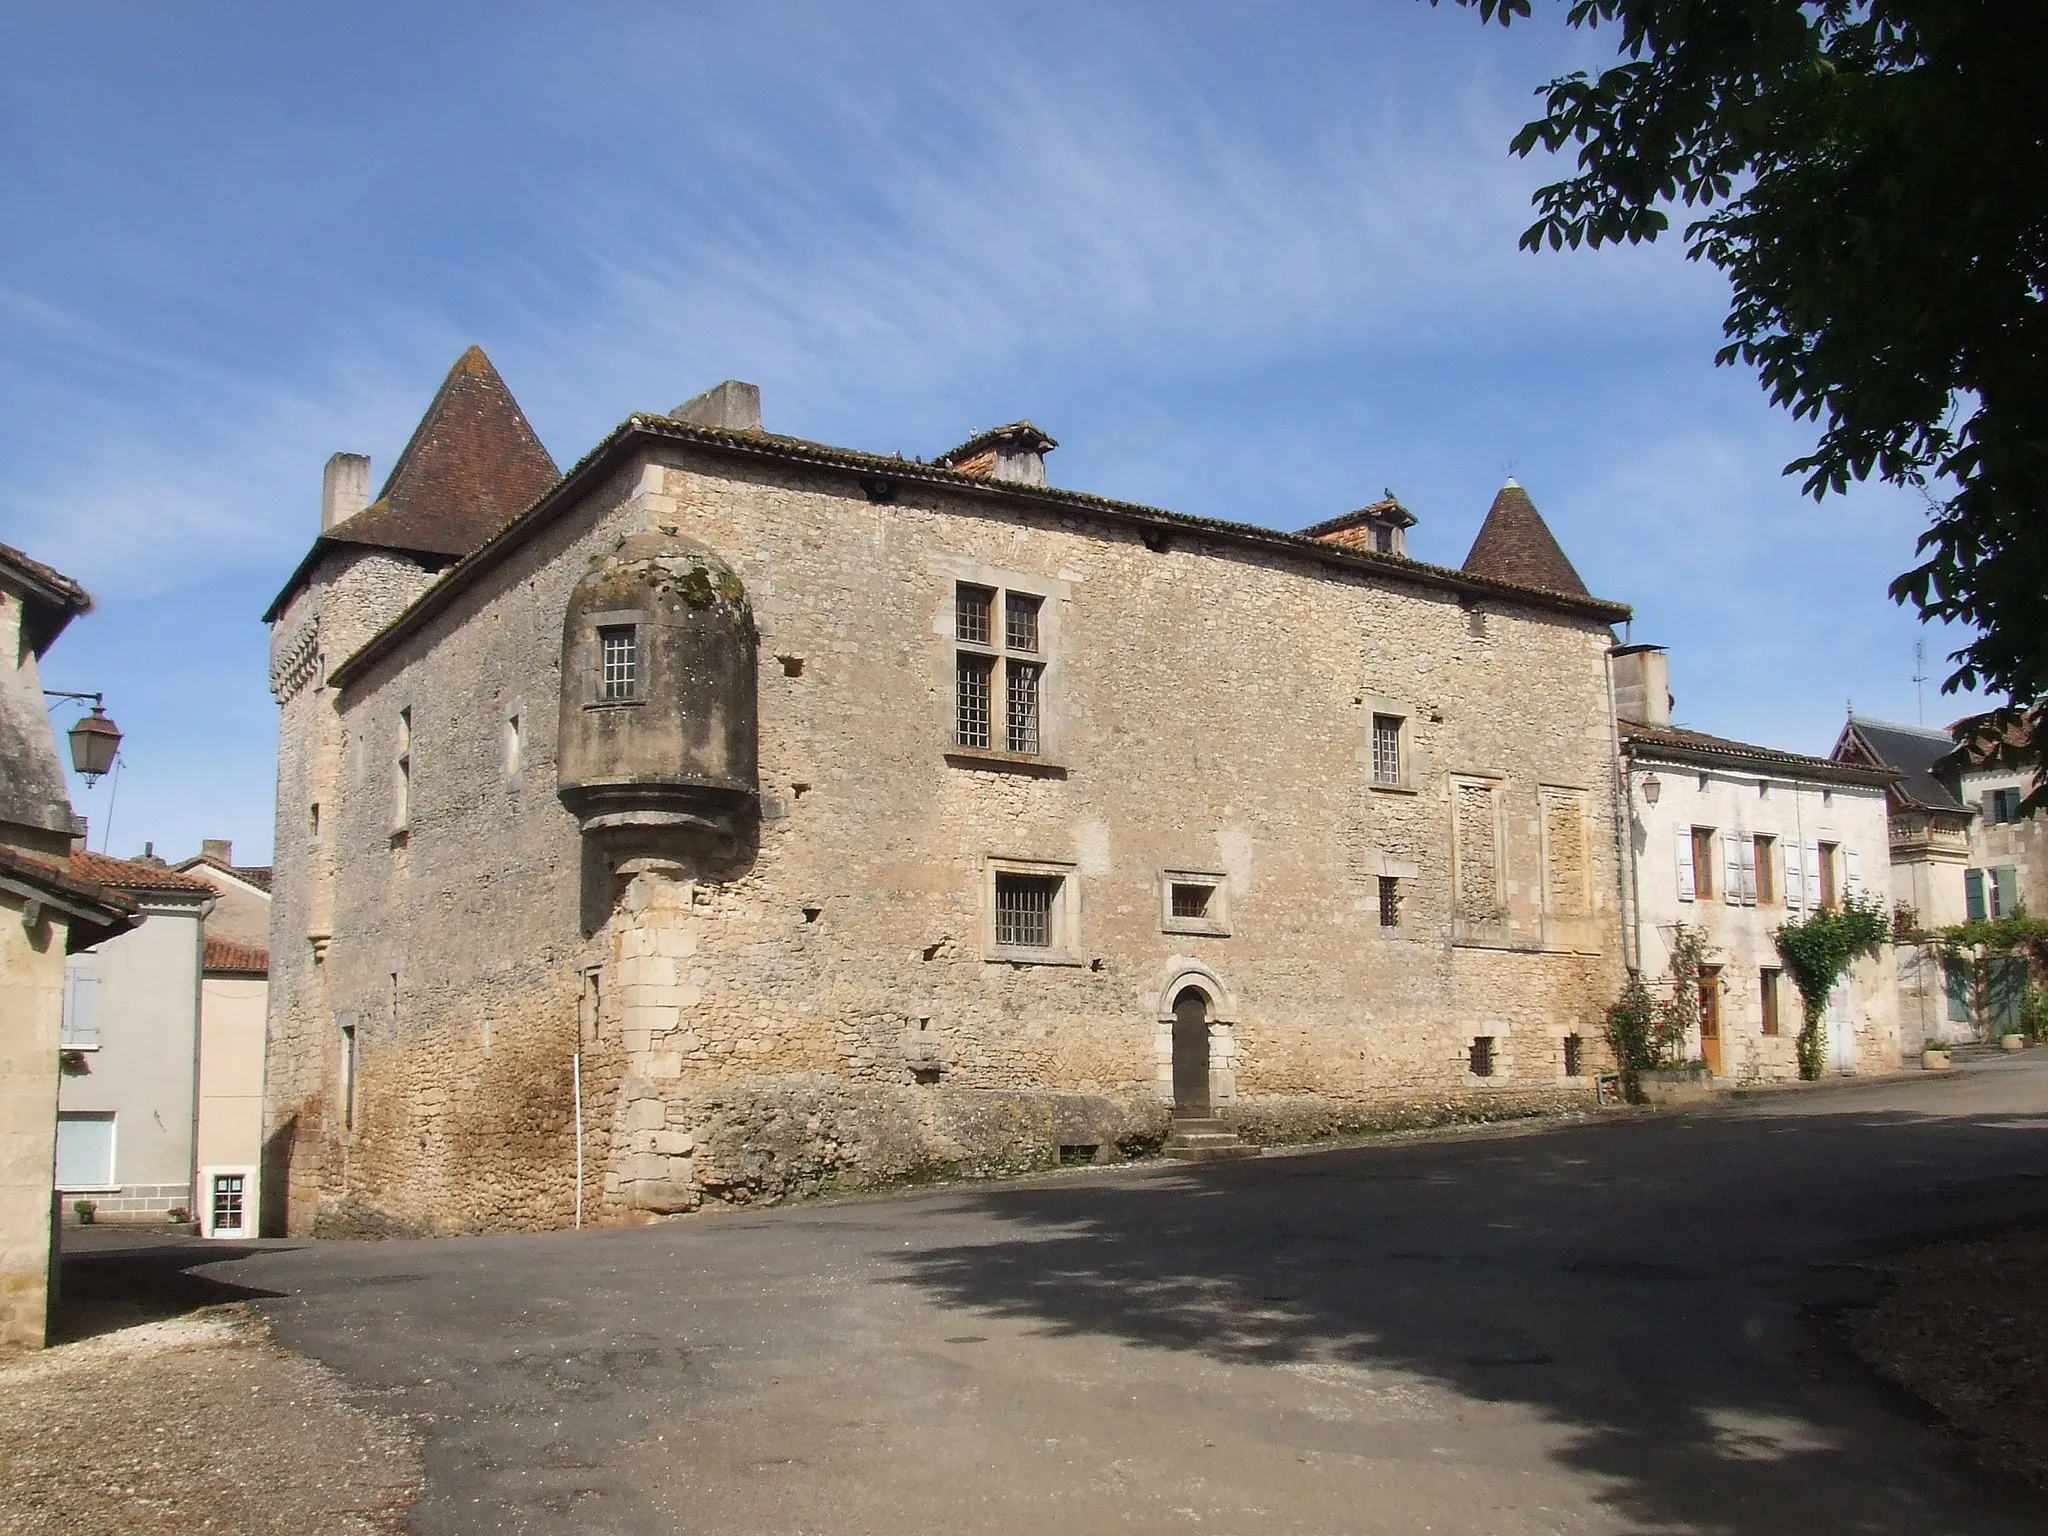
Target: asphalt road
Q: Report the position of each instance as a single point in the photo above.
(1615, 1325)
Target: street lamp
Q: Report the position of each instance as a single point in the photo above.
(94, 738)
(1652, 786)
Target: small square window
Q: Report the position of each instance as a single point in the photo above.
(1390, 902)
(971, 611)
(619, 677)
(1386, 749)
(1481, 1056)
(1024, 910)
(1191, 900)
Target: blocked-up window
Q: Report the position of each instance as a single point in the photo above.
(1479, 884)
(1567, 887)
(85, 1149)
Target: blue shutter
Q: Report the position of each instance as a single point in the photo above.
(1973, 894)
(2005, 890)
(1957, 975)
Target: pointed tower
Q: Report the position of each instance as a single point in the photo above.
(472, 465)
(1516, 545)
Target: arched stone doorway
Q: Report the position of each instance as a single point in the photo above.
(1191, 1052)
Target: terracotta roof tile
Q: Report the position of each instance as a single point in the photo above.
(257, 875)
(1678, 743)
(132, 874)
(239, 959)
(472, 465)
(64, 882)
(54, 598)
(1516, 545)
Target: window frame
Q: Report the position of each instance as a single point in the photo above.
(1707, 876)
(1764, 849)
(1770, 1013)
(1016, 732)
(1063, 920)
(1372, 709)
(113, 1123)
(1215, 920)
(591, 660)
(1830, 894)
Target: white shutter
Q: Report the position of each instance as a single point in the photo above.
(1685, 882)
(1795, 878)
(1852, 872)
(1731, 868)
(1813, 874)
(1747, 849)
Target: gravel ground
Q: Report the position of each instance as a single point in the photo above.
(1963, 1326)
(194, 1423)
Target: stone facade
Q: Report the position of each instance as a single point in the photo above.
(825, 1002)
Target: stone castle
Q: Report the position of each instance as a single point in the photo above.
(735, 816)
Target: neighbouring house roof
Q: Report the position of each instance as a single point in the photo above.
(1516, 545)
(95, 912)
(133, 875)
(1913, 752)
(1679, 745)
(257, 875)
(472, 465)
(228, 958)
(880, 474)
(54, 599)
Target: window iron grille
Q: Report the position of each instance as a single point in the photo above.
(1192, 900)
(1024, 910)
(1021, 712)
(972, 607)
(1020, 621)
(971, 728)
(1482, 1056)
(1390, 902)
(621, 675)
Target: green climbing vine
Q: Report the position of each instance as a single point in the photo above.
(1817, 950)
(1647, 1031)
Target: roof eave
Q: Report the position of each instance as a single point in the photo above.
(1762, 763)
(640, 428)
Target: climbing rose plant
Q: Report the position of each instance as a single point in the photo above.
(1817, 950)
(1647, 1031)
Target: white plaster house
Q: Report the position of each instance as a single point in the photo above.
(128, 1104)
(1736, 839)
(234, 992)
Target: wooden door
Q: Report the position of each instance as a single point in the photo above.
(1710, 1017)
(1191, 1053)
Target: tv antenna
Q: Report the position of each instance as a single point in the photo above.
(1920, 682)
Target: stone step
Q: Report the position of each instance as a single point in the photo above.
(1210, 1152)
(1200, 1123)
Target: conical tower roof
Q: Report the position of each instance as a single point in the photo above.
(1516, 545)
(472, 465)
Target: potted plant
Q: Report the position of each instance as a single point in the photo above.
(85, 1210)
(1934, 1055)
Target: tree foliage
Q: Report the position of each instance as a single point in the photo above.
(1817, 950)
(1872, 176)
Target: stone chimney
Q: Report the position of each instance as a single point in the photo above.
(1381, 528)
(733, 405)
(220, 849)
(1642, 684)
(344, 489)
(1015, 453)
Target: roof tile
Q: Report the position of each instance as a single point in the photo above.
(1516, 545)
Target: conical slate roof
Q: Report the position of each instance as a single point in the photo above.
(1516, 545)
(473, 465)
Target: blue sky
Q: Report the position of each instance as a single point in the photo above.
(1254, 263)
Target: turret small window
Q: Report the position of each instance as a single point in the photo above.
(619, 647)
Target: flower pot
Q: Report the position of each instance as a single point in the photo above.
(2012, 1042)
(1932, 1060)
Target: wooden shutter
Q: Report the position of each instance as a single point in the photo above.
(82, 1010)
(1852, 872)
(1746, 849)
(1685, 880)
(1731, 867)
(1813, 874)
(1795, 878)
(1956, 977)
(1973, 894)
(2005, 890)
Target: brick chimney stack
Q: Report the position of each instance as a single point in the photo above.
(344, 488)
(219, 849)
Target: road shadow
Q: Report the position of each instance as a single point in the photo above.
(110, 1287)
(1645, 1288)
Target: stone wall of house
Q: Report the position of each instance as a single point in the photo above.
(32, 1003)
(826, 1009)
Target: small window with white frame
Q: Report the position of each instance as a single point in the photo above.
(1033, 912)
(1194, 901)
(1386, 749)
(998, 670)
(618, 648)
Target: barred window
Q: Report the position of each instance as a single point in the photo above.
(972, 724)
(992, 664)
(1020, 621)
(1390, 901)
(620, 678)
(1386, 749)
(1021, 708)
(971, 609)
(1024, 910)
(1190, 900)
